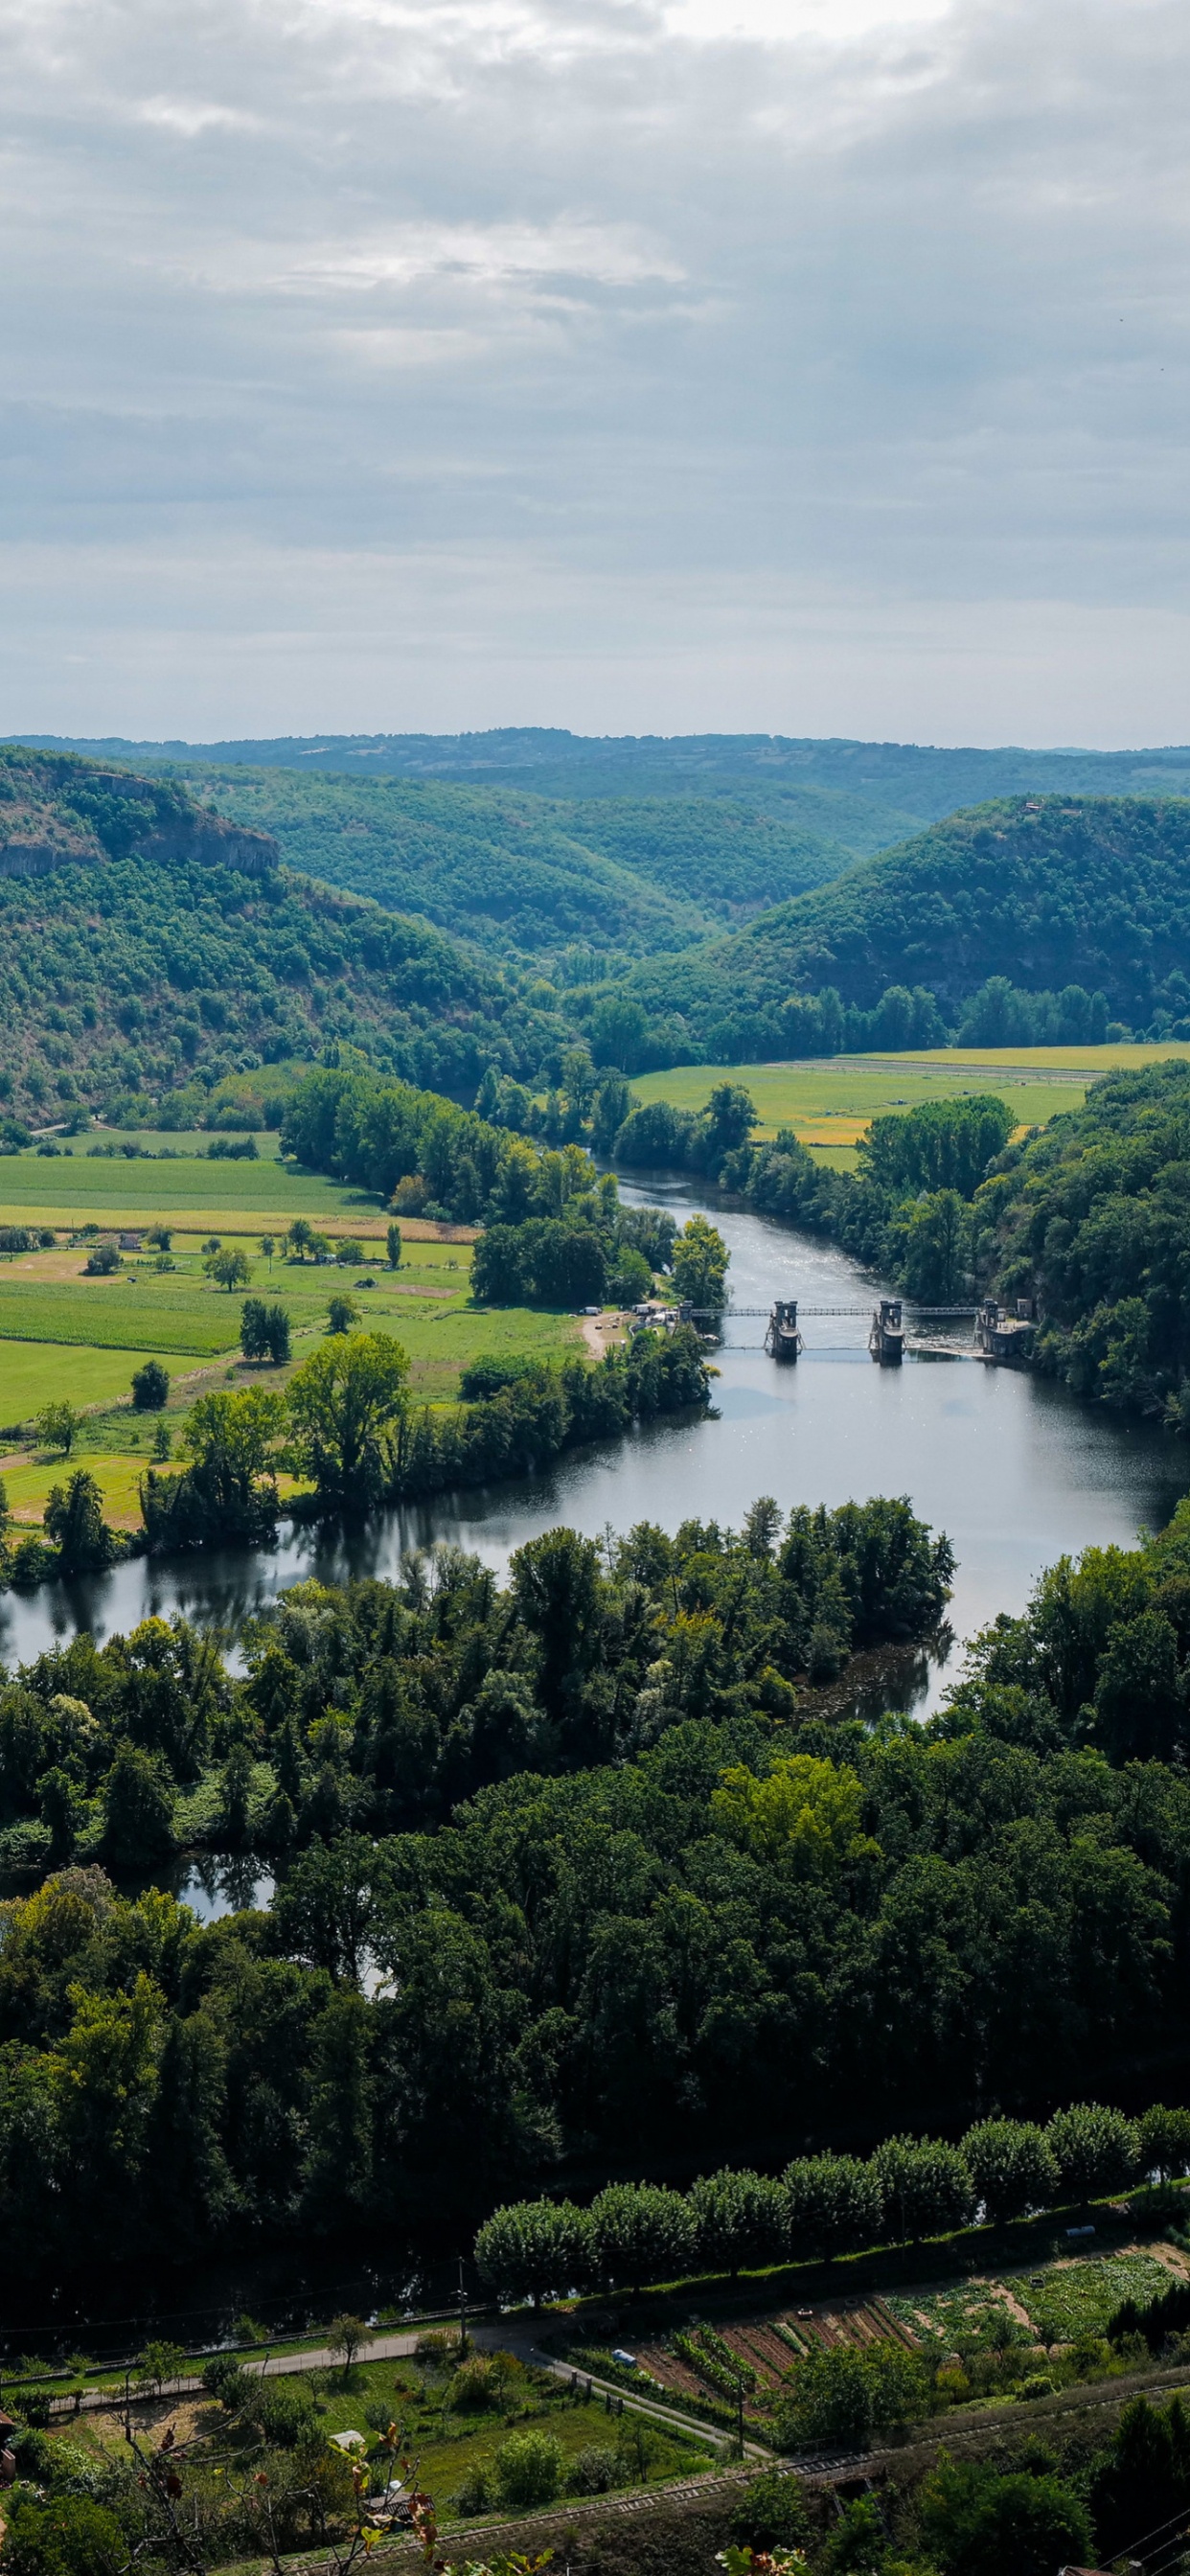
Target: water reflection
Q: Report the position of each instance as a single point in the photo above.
(1010, 1466)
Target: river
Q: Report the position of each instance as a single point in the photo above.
(1013, 1468)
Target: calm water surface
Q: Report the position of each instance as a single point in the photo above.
(1010, 1466)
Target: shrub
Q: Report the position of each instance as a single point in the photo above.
(528, 2470)
(285, 2411)
(69, 2536)
(593, 2471)
(475, 2493)
(226, 2379)
(771, 2514)
(474, 2386)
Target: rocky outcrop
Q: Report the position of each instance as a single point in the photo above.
(48, 831)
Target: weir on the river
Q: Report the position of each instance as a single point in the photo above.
(1003, 1339)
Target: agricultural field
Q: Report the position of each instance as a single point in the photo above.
(704, 2367)
(63, 1334)
(829, 1101)
(75, 1187)
(1054, 2305)
(983, 2336)
(451, 2424)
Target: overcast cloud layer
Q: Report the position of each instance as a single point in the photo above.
(636, 365)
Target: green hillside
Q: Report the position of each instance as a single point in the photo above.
(518, 872)
(1044, 892)
(149, 948)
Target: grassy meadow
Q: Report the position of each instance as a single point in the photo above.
(828, 1101)
(63, 1334)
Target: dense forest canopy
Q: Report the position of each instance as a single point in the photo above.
(616, 1873)
(515, 872)
(1040, 891)
(1092, 1219)
(149, 946)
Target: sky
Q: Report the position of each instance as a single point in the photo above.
(804, 366)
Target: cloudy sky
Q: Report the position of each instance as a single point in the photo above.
(814, 366)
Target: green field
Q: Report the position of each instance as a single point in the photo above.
(828, 1101)
(31, 1373)
(64, 1335)
(75, 1189)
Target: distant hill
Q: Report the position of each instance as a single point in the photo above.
(1043, 891)
(916, 781)
(146, 942)
(538, 876)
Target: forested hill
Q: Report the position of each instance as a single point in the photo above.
(515, 872)
(144, 939)
(1045, 891)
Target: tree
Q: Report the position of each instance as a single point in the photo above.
(739, 2218)
(847, 2393)
(834, 2204)
(700, 1263)
(264, 1331)
(67, 2535)
(1012, 2167)
(392, 1243)
(731, 1116)
(1142, 2481)
(641, 2232)
(325, 1908)
(229, 1492)
(1165, 2141)
(158, 2362)
(150, 1388)
(924, 2184)
(618, 1026)
(1140, 1705)
(231, 1269)
(804, 1817)
(1095, 2149)
(934, 1244)
(160, 1236)
(530, 2247)
(342, 1313)
(299, 1238)
(232, 1438)
(342, 1402)
(138, 1805)
(611, 1105)
(268, 1246)
(74, 1521)
(337, 2170)
(346, 2336)
(57, 1425)
(980, 2521)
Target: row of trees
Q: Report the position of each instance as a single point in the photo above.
(733, 2220)
(344, 1420)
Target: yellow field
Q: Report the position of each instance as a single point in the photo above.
(828, 1101)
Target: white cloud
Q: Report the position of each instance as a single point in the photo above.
(716, 353)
